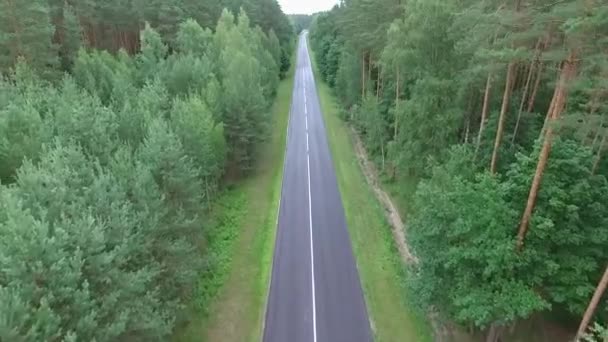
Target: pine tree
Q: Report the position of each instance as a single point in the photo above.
(71, 38)
(243, 100)
(193, 39)
(26, 32)
(106, 174)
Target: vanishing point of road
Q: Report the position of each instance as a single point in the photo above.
(315, 293)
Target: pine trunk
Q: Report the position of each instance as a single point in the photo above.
(545, 46)
(549, 112)
(484, 112)
(378, 82)
(369, 73)
(598, 156)
(597, 295)
(467, 118)
(503, 115)
(493, 333)
(58, 22)
(18, 49)
(525, 91)
(532, 98)
(363, 76)
(397, 85)
(382, 151)
(594, 108)
(524, 95)
(466, 132)
(561, 93)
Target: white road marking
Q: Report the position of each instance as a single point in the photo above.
(312, 255)
(312, 250)
(307, 149)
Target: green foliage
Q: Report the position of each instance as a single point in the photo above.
(102, 74)
(26, 32)
(349, 68)
(430, 105)
(88, 275)
(326, 47)
(186, 74)
(598, 333)
(201, 137)
(568, 235)
(300, 22)
(412, 79)
(192, 38)
(22, 127)
(461, 231)
(374, 126)
(48, 34)
(220, 238)
(72, 37)
(245, 108)
(107, 174)
(153, 53)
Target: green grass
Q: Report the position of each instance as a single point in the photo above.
(230, 305)
(383, 276)
(221, 233)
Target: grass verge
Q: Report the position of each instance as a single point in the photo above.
(230, 305)
(383, 276)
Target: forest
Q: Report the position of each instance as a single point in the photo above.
(489, 120)
(120, 123)
(301, 21)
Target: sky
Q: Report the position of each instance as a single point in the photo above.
(306, 6)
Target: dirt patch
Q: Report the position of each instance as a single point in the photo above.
(390, 210)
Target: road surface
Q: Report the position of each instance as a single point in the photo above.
(315, 294)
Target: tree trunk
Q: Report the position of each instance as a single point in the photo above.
(545, 45)
(520, 75)
(378, 82)
(466, 131)
(18, 47)
(493, 333)
(526, 87)
(536, 85)
(93, 36)
(484, 113)
(467, 118)
(549, 112)
(598, 157)
(369, 73)
(397, 85)
(523, 101)
(382, 151)
(594, 107)
(58, 22)
(540, 168)
(503, 115)
(597, 295)
(561, 93)
(595, 136)
(363, 76)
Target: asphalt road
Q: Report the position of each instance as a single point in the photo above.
(315, 294)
